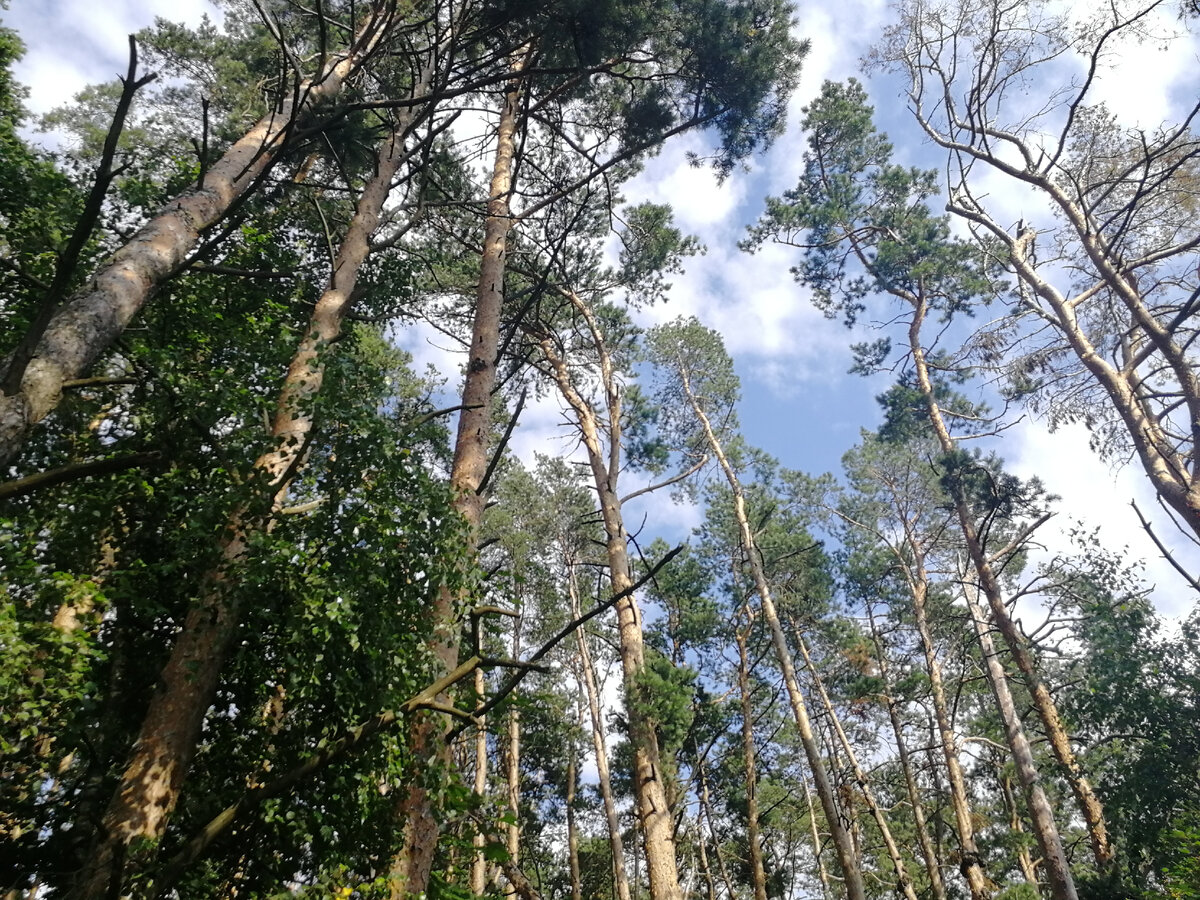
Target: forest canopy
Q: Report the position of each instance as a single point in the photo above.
(415, 421)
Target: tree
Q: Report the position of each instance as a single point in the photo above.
(854, 208)
(696, 361)
(82, 327)
(1099, 327)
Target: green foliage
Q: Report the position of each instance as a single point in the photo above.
(852, 195)
(662, 697)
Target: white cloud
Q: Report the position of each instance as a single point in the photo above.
(73, 43)
(1100, 495)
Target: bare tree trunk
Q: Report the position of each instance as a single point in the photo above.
(572, 828)
(758, 875)
(970, 862)
(843, 845)
(654, 813)
(87, 324)
(153, 779)
(1088, 802)
(512, 775)
(479, 861)
(932, 864)
(705, 868)
(822, 872)
(588, 671)
(706, 812)
(904, 880)
(413, 863)
(1062, 886)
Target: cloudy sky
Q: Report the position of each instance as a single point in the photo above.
(799, 403)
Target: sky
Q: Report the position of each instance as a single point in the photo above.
(798, 402)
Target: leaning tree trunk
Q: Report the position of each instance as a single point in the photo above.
(932, 864)
(989, 584)
(154, 775)
(611, 816)
(1058, 873)
(904, 880)
(843, 845)
(970, 861)
(88, 323)
(413, 863)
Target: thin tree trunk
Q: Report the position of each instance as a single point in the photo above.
(1061, 883)
(758, 875)
(1058, 873)
(706, 811)
(932, 864)
(153, 778)
(705, 869)
(512, 775)
(654, 813)
(413, 863)
(479, 861)
(88, 323)
(970, 862)
(904, 880)
(1028, 871)
(822, 872)
(572, 828)
(588, 671)
(843, 845)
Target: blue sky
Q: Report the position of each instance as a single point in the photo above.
(799, 403)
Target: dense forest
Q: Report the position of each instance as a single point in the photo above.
(286, 615)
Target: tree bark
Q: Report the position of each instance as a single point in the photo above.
(479, 861)
(572, 828)
(154, 775)
(903, 879)
(970, 860)
(654, 813)
(87, 324)
(758, 875)
(932, 863)
(413, 863)
(990, 586)
(847, 858)
(1058, 872)
(603, 775)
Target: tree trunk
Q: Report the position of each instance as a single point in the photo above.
(706, 812)
(904, 880)
(654, 813)
(1028, 871)
(1058, 873)
(588, 671)
(843, 845)
(758, 876)
(88, 323)
(153, 779)
(413, 863)
(932, 864)
(1062, 886)
(478, 860)
(512, 776)
(572, 828)
(970, 862)
(822, 872)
